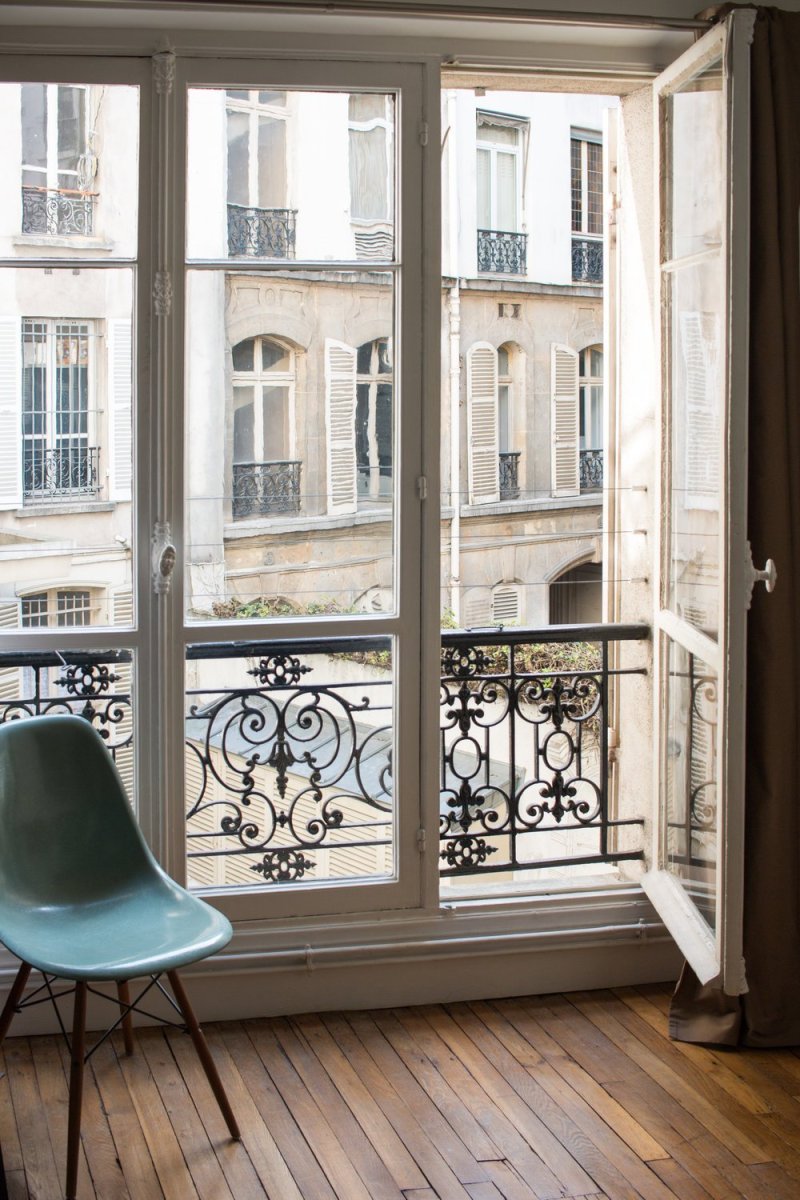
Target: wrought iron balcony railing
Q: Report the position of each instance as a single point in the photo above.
(502, 253)
(289, 760)
(509, 474)
(587, 260)
(261, 232)
(58, 212)
(266, 489)
(59, 472)
(591, 470)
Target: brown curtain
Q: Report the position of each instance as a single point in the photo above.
(769, 1013)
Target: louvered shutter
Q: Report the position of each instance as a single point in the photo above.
(9, 676)
(122, 614)
(120, 390)
(505, 605)
(565, 402)
(702, 428)
(482, 438)
(340, 425)
(10, 414)
(477, 609)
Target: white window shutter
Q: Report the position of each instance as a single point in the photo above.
(477, 609)
(483, 461)
(120, 415)
(340, 425)
(505, 605)
(9, 676)
(565, 402)
(122, 607)
(10, 413)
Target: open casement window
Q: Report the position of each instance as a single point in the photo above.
(482, 424)
(702, 577)
(565, 410)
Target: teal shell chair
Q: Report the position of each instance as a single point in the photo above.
(83, 899)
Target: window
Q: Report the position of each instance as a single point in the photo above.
(266, 478)
(373, 426)
(501, 244)
(58, 419)
(57, 162)
(260, 223)
(586, 156)
(590, 421)
(62, 608)
(370, 126)
(508, 458)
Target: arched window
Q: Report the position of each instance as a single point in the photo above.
(266, 476)
(576, 597)
(374, 419)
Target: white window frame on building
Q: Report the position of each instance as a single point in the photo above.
(502, 241)
(266, 483)
(60, 441)
(374, 474)
(586, 206)
(56, 200)
(257, 228)
(590, 420)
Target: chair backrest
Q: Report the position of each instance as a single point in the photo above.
(67, 832)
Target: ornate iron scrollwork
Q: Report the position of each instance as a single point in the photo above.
(591, 470)
(57, 212)
(587, 260)
(261, 232)
(266, 489)
(509, 474)
(502, 253)
(49, 473)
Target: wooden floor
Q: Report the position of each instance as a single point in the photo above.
(531, 1099)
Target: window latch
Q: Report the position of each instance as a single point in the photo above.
(162, 557)
(768, 576)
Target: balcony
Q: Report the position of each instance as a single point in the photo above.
(587, 260)
(296, 759)
(590, 468)
(509, 474)
(266, 489)
(502, 253)
(60, 472)
(261, 232)
(58, 212)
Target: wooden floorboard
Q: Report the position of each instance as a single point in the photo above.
(569, 1097)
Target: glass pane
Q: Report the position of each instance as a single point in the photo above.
(366, 106)
(498, 135)
(289, 764)
(696, 379)
(271, 152)
(72, 142)
(96, 685)
(484, 185)
(244, 201)
(368, 174)
(690, 780)
(695, 150)
(78, 187)
(290, 462)
(507, 192)
(66, 403)
(238, 126)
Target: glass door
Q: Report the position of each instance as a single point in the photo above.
(74, 311)
(293, 617)
(701, 591)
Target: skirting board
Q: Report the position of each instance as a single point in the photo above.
(235, 990)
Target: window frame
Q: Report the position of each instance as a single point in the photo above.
(485, 119)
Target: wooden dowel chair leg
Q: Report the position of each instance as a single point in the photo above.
(203, 1052)
(76, 1089)
(124, 994)
(14, 997)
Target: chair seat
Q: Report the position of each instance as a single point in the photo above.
(154, 927)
